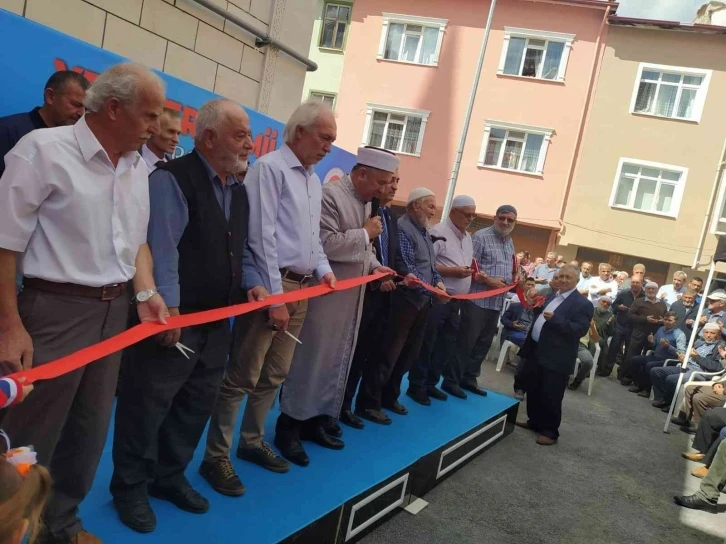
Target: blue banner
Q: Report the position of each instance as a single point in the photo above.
(32, 52)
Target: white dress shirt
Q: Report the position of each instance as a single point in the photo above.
(76, 218)
(150, 158)
(457, 250)
(671, 294)
(597, 283)
(551, 307)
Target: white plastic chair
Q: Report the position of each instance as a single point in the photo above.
(503, 354)
(596, 357)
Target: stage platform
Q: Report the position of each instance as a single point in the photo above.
(340, 496)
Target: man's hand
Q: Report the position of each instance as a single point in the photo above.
(171, 337)
(703, 320)
(623, 308)
(441, 287)
(279, 318)
(384, 270)
(257, 294)
(722, 351)
(603, 291)
(462, 272)
(410, 281)
(694, 353)
(153, 310)
(547, 315)
(665, 343)
(689, 321)
(481, 278)
(329, 279)
(27, 389)
(496, 283)
(681, 356)
(651, 338)
(518, 326)
(373, 227)
(541, 280)
(16, 347)
(652, 320)
(387, 286)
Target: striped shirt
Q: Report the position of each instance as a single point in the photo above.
(494, 254)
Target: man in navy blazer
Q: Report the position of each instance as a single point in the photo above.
(550, 351)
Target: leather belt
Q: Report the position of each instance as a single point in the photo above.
(294, 276)
(107, 292)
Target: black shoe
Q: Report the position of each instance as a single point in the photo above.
(183, 496)
(136, 514)
(688, 429)
(436, 393)
(396, 408)
(454, 390)
(635, 389)
(221, 476)
(625, 382)
(316, 433)
(292, 450)
(332, 428)
(574, 385)
(695, 503)
(680, 421)
(659, 403)
(474, 388)
(351, 420)
(264, 456)
(645, 393)
(376, 416)
(603, 373)
(419, 396)
(665, 409)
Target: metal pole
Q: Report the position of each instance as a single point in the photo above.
(465, 129)
(691, 341)
(711, 203)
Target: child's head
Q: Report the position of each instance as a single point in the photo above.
(21, 501)
(717, 388)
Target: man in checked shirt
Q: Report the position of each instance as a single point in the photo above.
(494, 253)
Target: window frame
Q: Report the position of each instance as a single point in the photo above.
(701, 94)
(677, 193)
(530, 34)
(334, 96)
(395, 110)
(720, 203)
(398, 18)
(339, 3)
(528, 129)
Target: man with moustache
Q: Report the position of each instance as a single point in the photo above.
(197, 235)
(623, 326)
(454, 253)
(638, 272)
(583, 286)
(161, 146)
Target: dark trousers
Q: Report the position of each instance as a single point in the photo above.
(708, 429)
(400, 344)
(545, 391)
(164, 404)
(437, 349)
(476, 332)
(636, 346)
(640, 367)
(66, 419)
(374, 320)
(711, 453)
(619, 339)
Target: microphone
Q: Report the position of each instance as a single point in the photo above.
(435, 239)
(375, 205)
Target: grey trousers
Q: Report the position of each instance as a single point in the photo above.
(66, 419)
(716, 477)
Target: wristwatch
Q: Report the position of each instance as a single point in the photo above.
(145, 295)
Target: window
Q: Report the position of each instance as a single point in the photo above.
(535, 53)
(416, 40)
(719, 216)
(326, 98)
(648, 187)
(670, 91)
(400, 130)
(335, 23)
(515, 147)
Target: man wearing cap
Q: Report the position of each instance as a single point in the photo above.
(494, 255)
(410, 304)
(454, 253)
(313, 393)
(715, 313)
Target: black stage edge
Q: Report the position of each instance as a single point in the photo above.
(362, 514)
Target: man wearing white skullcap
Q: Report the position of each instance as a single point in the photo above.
(454, 253)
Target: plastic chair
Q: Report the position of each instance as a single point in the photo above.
(692, 382)
(596, 357)
(503, 354)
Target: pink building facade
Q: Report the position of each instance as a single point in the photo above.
(406, 82)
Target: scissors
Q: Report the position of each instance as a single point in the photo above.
(183, 349)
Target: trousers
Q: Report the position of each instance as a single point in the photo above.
(619, 339)
(640, 367)
(665, 381)
(711, 424)
(586, 363)
(699, 399)
(476, 333)
(637, 343)
(710, 488)
(545, 391)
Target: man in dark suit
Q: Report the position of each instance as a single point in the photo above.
(550, 351)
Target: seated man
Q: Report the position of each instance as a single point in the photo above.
(668, 343)
(585, 356)
(706, 498)
(698, 399)
(605, 324)
(517, 320)
(706, 356)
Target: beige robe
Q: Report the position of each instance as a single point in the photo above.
(316, 382)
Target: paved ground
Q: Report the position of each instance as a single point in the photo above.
(609, 480)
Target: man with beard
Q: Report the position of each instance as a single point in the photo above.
(314, 389)
(494, 252)
(197, 235)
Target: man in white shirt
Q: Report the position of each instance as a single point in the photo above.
(162, 145)
(604, 285)
(74, 201)
(583, 286)
(670, 293)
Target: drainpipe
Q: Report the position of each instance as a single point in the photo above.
(263, 39)
(467, 119)
(711, 204)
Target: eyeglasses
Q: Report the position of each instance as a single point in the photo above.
(469, 216)
(506, 220)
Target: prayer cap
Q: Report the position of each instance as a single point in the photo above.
(506, 208)
(711, 327)
(462, 200)
(718, 294)
(419, 193)
(377, 158)
(651, 284)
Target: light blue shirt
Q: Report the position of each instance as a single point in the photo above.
(494, 255)
(551, 307)
(284, 231)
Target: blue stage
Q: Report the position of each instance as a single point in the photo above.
(278, 506)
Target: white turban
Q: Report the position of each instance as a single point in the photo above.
(418, 193)
(462, 200)
(376, 158)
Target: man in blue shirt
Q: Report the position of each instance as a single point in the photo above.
(544, 273)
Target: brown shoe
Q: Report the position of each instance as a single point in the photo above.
(84, 537)
(543, 440)
(699, 472)
(697, 457)
(523, 425)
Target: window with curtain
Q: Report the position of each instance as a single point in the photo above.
(532, 57)
(412, 43)
(396, 132)
(335, 22)
(668, 94)
(513, 150)
(647, 189)
(326, 98)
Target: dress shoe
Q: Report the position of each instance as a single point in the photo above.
(292, 450)
(221, 476)
(543, 440)
(524, 425)
(688, 429)
(659, 403)
(644, 393)
(574, 386)
(680, 420)
(136, 514)
(454, 390)
(419, 396)
(626, 382)
(351, 420)
(700, 472)
(695, 503)
(84, 537)
(436, 393)
(376, 416)
(695, 457)
(183, 496)
(665, 409)
(603, 374)
(317, 434)
(396, 408)
(264, 456)
(332, 428)
(519, 394)
(474, 388)
(635, 389)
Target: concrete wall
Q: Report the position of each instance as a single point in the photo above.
(190, 42)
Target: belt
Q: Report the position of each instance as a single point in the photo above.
(107, 292)
(294, 276)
